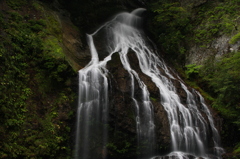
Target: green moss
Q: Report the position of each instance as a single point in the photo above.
(53, 48)
(36, 5)
(37, 25)
(16, 4)
(122, 150)
(237, 149)
(235, 38)
(53, 25)
(153, 99)
(217, 18)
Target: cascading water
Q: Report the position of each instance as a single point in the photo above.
(92, 112)
(189, 122)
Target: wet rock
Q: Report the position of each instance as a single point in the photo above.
(122, 111)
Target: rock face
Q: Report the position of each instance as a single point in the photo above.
(122, 109)
(73, 40)
(73, 47)
(215, 33)
(216, 49)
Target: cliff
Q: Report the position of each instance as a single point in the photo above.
(37, 82)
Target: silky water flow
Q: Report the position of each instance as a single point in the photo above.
(189, 129)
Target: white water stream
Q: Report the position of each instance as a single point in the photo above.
(190, 130)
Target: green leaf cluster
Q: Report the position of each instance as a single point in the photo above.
(170, 25)
(215, 19)
(235, 38)
(16, 4)
(121, 145)
(226, 83)
(192, 70)
(223, 79)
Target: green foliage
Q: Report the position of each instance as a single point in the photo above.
(16, 4)
(192, 70)
(122, 150)
(235, 38)
(121, 145)
(53, 26)
(175, 25)
(37, 6)
(153, 99)
(35, 79)
(170, 25)
(37, 25)
(215, 19)
(52, 46)
(237, 149)
(224, 79)
(15, 16)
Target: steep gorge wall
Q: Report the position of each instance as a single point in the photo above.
(37, 83)
(215, 33)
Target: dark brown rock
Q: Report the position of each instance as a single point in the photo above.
(122, 109)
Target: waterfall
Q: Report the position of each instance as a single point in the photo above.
(191, 123)
(92, 111)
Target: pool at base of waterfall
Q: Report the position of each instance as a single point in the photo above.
(183, 155)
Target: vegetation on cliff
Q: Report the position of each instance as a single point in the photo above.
(223, 82)
(170, 25)
(36, 97)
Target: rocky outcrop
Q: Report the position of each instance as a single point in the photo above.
(71, 38)
(217, 48)
(122, 109)
(78, 54)
(215, 32)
